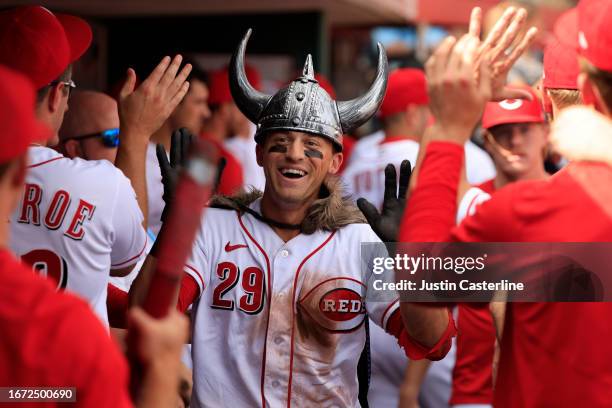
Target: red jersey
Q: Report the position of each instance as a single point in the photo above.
(52, 339)
(552, 354)
(473, 371)
(232, 178)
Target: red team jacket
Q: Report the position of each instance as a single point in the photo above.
(552, 354)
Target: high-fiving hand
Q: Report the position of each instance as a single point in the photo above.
(463, 75)
(143, 110)
(387, 223)
(504, 45)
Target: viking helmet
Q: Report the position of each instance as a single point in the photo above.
(303, 106)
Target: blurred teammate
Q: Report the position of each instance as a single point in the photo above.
(79, 221)
(560, 77)
(52, 339)
(552, 354)
(229, 126)
(405, 114)
(192, 113)
(516, 137)
(91, 127)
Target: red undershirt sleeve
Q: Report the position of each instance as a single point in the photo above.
(414, 350)
(117, 303)
(189, 292)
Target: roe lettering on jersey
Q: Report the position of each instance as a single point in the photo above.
(55, 214)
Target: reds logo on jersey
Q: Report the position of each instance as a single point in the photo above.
(341, 304)
(336, 304)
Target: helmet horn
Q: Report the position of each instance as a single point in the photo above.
(356, 112)
(248, 99)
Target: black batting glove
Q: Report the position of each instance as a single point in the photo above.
(387, 223)
(180, 143)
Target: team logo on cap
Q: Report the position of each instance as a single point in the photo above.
(511, 104)
(582, 41)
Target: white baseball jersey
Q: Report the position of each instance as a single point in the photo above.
(155, 190)
(365, 177)
(278, 323)
(75, 222)
(362, 149)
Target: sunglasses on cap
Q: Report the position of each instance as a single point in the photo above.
(109, 137)
(70, 85)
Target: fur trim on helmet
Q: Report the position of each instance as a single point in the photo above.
(581, 133)
(332, 211)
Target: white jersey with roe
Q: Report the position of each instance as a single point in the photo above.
(75, 222)
(279, 323)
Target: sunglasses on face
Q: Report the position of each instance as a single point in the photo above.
(70, 85)
(109, 137)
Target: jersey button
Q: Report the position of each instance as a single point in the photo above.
(275, 383)
(284, 253)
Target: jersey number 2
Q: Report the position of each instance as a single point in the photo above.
(252, 284)
(48, 263)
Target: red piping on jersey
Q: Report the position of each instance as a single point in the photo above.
(297, 274)
(382, 320)
(134, 257)
(467, 214)
(31, 166)
(263, 362)
(331, 279)
(197, 273)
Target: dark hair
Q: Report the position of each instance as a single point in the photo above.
(196, 72)
(602, 80)
(64, 77)
(4, 167)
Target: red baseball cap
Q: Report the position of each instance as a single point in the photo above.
(594, 33)
(219, 90)
(18, 124)
(513, 111)
(40, 44)
(406, 86)
(565, 28)
(561, 67)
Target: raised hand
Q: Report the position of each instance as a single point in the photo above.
(496, 49)
(386, 224)
(457, 99)
(143, 110)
